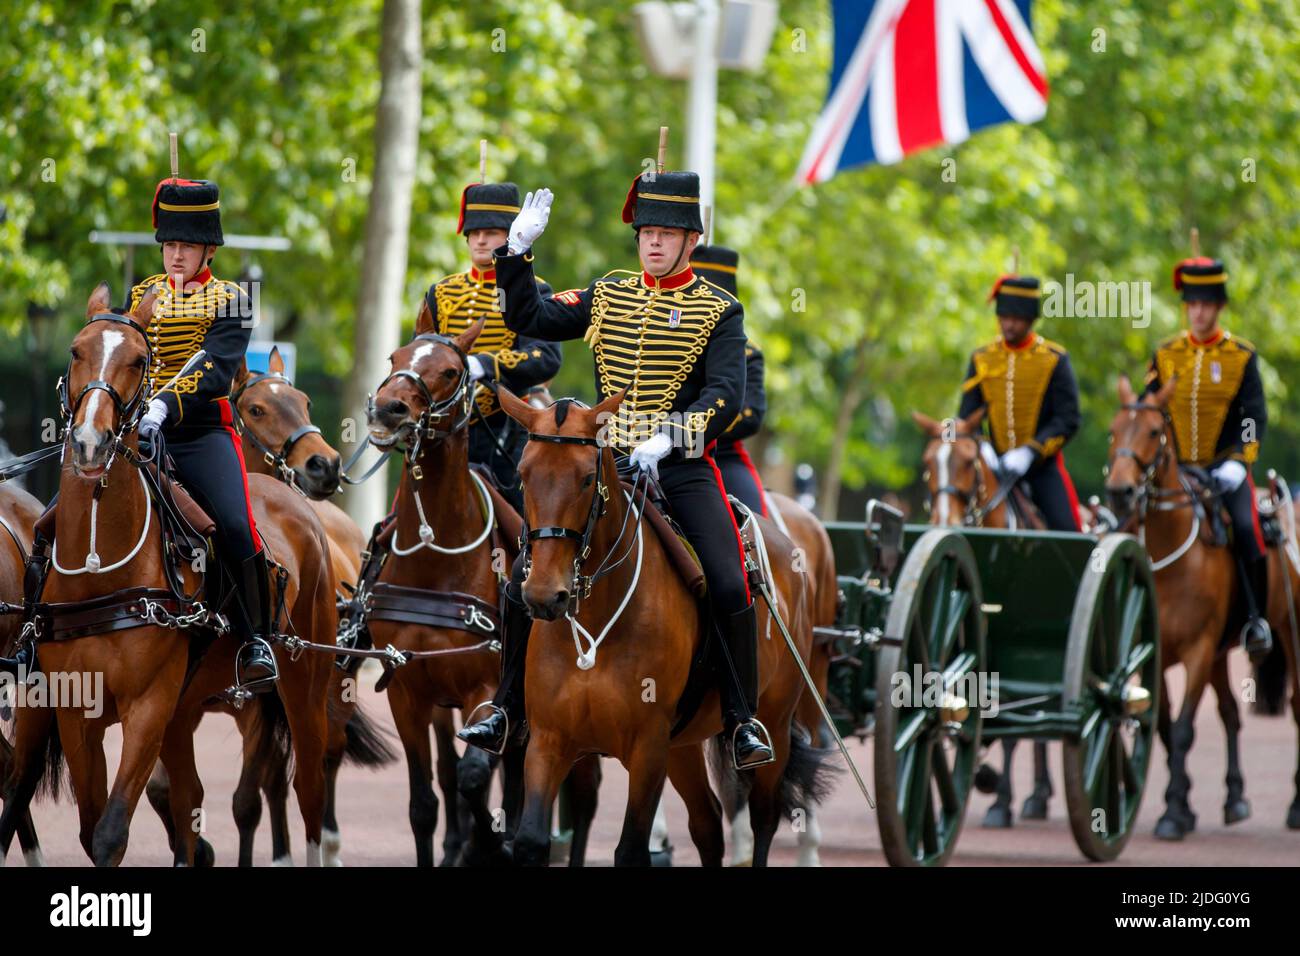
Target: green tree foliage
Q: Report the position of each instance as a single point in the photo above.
(1163, 114)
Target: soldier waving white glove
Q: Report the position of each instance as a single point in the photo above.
(531, 221)
(1017, 461)
(650, 452)
(1229, 475)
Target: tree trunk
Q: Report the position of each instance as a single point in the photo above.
(850, 399)
(383, 268)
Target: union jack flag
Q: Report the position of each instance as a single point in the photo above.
(908, 74)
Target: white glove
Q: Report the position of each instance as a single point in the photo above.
(989, 455)
(650, 452)
(531, 221)
(1229, 475)
(1017, 460)
(153, 418)
(476, 369)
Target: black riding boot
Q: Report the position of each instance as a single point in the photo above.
(738, 690)
(255, 663)
(34, 574)
(506, 709)
(1257, 636)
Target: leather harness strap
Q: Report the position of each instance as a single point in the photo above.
(449, 609)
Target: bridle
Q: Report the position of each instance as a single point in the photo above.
(969, 499)
(278, 460)
(458, 406)
(129, 411)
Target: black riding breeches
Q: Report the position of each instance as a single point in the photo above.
(698, 503)
(497, 443)
(1054, 494)
(1247, 535)
(740, 476)
(210, 464)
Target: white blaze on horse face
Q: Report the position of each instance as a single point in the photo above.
(86, 434)
(941, 459)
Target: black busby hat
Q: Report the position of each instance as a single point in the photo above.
(1201, 280)
(669, 200)
(488, 206)
(187, 210)
(717, 264)
(1018, 296)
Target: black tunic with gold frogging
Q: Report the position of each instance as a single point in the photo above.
(677, 344)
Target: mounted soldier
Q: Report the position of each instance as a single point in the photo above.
(1219, 414)
(718, 265)
(195, 311)
(1026, 386)
(499, 355)
(676, 344)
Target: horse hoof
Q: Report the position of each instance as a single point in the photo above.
(1293, 816)
(1035, 808)
(451, 855)
(986, 779)
(1235, 811)
(998, 817)
(474, 856)
(662, 857)
(1172, 828)
(204, 855)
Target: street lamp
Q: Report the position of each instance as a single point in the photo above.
(692, 41)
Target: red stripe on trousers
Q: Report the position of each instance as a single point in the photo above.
(722, 490)
(916, 78)
(1254, 517)
(1069, 490)
(228, 423)
(748, 462)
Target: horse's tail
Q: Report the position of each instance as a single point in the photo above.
(272, 743)
(51, 781)
(367, 744)
(809, 774)
(1270, 681)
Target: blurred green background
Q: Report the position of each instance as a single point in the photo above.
(866, 293)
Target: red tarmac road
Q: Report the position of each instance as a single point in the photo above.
(372, 809)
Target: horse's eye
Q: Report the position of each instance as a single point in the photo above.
(74, 353)
(139, 363)
(1155, 433)
(450, 373)
(586, 482)
(255, 411)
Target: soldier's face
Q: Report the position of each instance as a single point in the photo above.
(664, 251)
(184, 259)
(1014, 328)
(482, 242)
(1202, 317)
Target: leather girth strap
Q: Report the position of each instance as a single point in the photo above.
(69, 620)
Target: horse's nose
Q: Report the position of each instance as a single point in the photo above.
(1121, 498)
(322, 468)
(548, 609)
(394, 411)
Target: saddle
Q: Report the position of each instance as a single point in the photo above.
(1207, 504)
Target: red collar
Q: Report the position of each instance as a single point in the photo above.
(1216, 337)
(200, 280)
(487, 275)
(675, 281)
(1030, 339)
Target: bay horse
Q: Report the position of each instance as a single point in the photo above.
(962, 484)
(273, 419)
(625, 704)
(1196, 584)
(18, 513)
(442, 547)
(1280, 670)
(148, 682)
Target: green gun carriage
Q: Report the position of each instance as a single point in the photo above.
(1023, 634)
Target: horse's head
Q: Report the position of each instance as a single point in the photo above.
(1139, 445)
(276, 417)
(103, 388)
(568, 476)
(954, 469)
(429, 379)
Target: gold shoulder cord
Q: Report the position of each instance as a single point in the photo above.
(592, 335)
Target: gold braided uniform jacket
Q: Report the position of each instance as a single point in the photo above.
(678, 342)
(210, 314)
(1029, 391)
(516, 361)
(1217, 407)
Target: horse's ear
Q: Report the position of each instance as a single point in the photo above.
(972, 421)
(99, 300)
(241, 373)
(1126, 396)
(143, 312)
(424, 321)
(610, 405)
(517, 408)
(466, 339)
(927, 424)
(1166, 392)
(274, 364)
